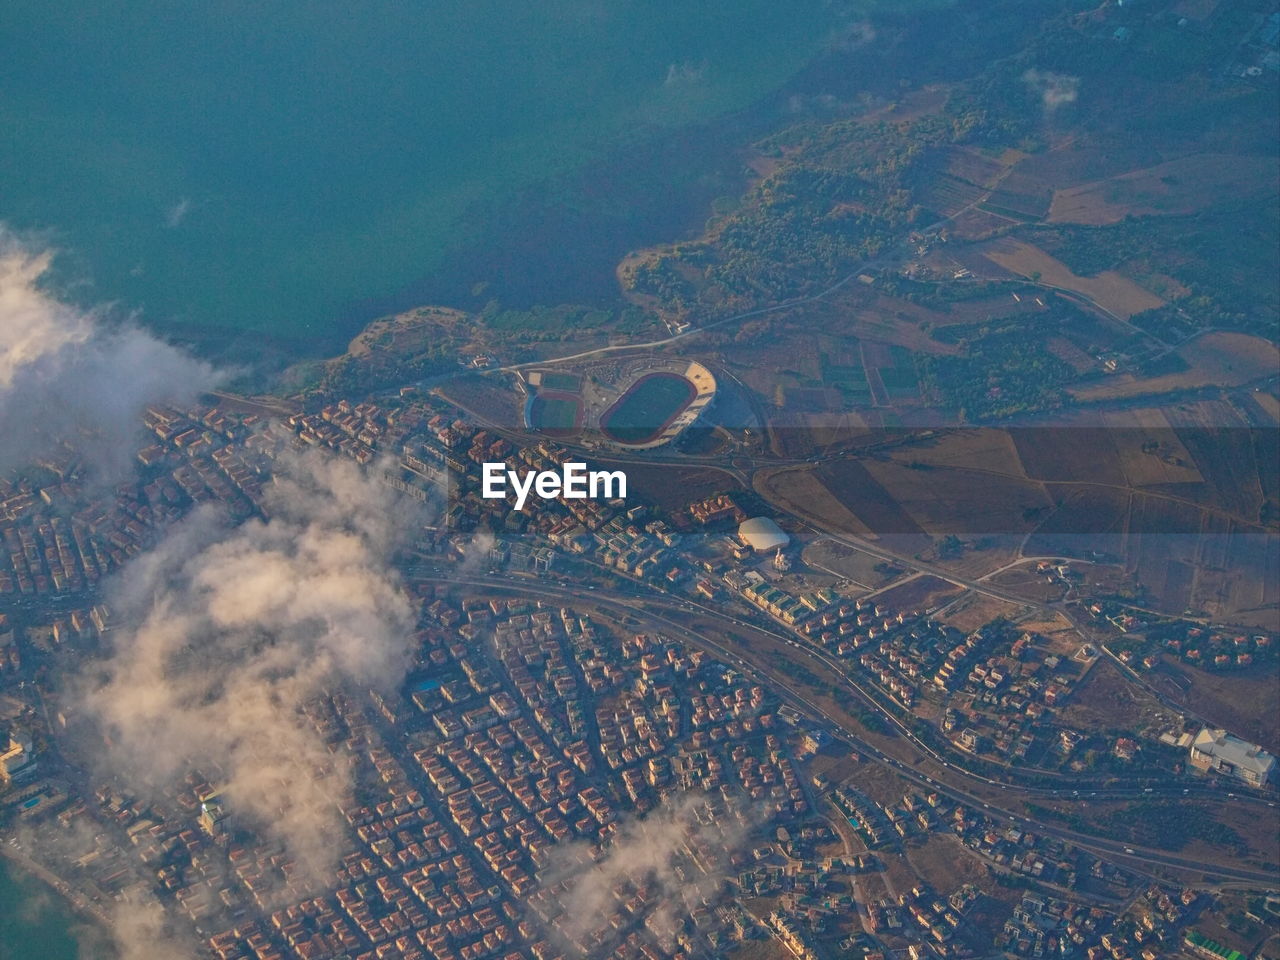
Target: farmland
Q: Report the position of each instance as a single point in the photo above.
(1112, 291)
(1214, 359)
(960, 500)
(1180, 186)
(857, 489)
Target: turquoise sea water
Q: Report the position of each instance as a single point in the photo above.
(36, 924)
(225, 163)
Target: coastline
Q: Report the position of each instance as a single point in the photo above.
(22, 866)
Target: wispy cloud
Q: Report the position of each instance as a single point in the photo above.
(68, 373)
(229, 632)
(1055, 89)
(684, 74)
(677, 858)
(177, 213)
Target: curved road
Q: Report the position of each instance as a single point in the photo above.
(1135, 858)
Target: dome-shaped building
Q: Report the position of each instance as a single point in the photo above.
(762, 535)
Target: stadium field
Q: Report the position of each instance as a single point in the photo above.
(556, 413)
(647, 408)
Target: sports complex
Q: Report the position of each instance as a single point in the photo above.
(635, 404)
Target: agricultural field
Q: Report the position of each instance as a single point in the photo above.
(891, 373)
(1244, 587)
(1218, 359)
(963, 176)
(1019, 197)
(1268, 405)
(978, 448)
(852, 485)
(845, 373)
(1150, 451)
(961, 500)
(1068, 453)
(1153, 492)
(1183, 186)
(1086, 161)
(1112, 291)
(800, 491)
(1241, 467)
(880, 317)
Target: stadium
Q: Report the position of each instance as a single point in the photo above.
(656, 401)
(633, 404)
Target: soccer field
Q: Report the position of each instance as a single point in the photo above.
(645, 410)
(552, 412)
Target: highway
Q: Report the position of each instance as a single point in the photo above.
(1143, 860)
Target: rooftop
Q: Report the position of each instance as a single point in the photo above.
(762, 534)
(1240, 754)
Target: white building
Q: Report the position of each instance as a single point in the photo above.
(15, 757)
(762, 535)
(1217, 751)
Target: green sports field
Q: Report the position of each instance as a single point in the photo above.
(648, 408)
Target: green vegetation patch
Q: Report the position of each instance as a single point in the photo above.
(540, 323)
(555, 413)
(1169, 826)
(900, 380)
(1161, 824)
(848, 378)
(1003, 374)
(564, 382)
(1224, 257)
(1198, 939)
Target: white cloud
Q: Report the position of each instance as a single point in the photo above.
(678, 854)
(228, 632)
(177, 213)
(683, 74)
(1055, 89)
(67, 373)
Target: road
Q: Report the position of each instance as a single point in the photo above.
(1143, 860)
(263, 406)
(894, 254)
(11, 851)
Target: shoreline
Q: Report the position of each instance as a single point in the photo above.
(76, 901)
(557, 240)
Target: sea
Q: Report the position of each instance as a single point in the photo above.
(275, 168)
(282, 172)
(37, 924)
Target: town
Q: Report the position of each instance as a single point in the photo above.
(824, 508)
(839, 772)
